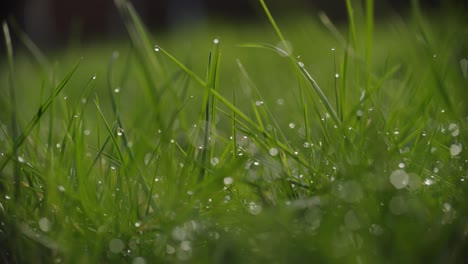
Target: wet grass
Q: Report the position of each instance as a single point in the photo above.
(292, 141)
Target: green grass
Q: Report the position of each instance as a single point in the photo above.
(295, 140)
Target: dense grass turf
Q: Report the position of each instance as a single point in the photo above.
(293, 142)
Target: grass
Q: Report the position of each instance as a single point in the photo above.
(340, 144)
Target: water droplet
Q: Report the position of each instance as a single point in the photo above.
(434, 55)
(94, 77)
(117, 90)
(401, 165)
(139, 260)
(280, 101)
(20, 159)
(454, 129)
(170, 249)
(120, 131)
(185, 245)
(228, 180)
(337, 75)
(376, 229)
(254, 208)
(399, 179)
(179, 233)
(292, 125)
(301, 64)
(306, 145)
(44, 224)
(116, 245)
(7, 197)
(447, 207)
(258, 103)
(396, 132)
(156, 48)
(455, 149)
(359, 113)
(58, 145)
(428, 182)
(137, 224)
(333, 49)
(216, 41)
(84, 100)
(273, 152)
(65, 97)
(61, 188)
(214, 161)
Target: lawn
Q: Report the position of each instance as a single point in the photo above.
(293, 140)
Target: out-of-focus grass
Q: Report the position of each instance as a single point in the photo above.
(181, 148)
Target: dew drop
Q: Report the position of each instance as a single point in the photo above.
(20, 159)
(273, 152)
(301, 64)
(120, 132)
(156, 48)
(359, 113)
(292, 125)
(258, 103)
(453, 128)
(87, 132)
(399, 179)
(254, 208)
(61, 188)
(116, 245)
(170, 249)
(428, 182)
(214, 161)
(401, 165)
(228, 180)
(44, 224)
(137, 224)
(337, 76)
(7, 197)
(94, 77)
(139, 260)
(117, 90)
(280, 101)
(455, 149)
(216, 41)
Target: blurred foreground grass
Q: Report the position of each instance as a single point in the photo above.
(230, 144)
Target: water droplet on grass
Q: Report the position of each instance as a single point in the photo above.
(301, 64)
(7, 197)
(216, 41)
(139, 260)
(94, 77)
(337, 75)
(453, 128)
(137, 224)
(273, 152)
(399, 179)
(455, 149)
(61, 188)
(214, 161)
(359, 113)
(117, 90)
(120, 132)
(170, 249)
(185, 245)
(44, 224)
(258, 103)
(228, 180)
(401, 165)
(292, 125)
(254, 208)
(280, 101)
(20, 159)
(428, 182)
(156, 48)
(447, 207)
(116, 246)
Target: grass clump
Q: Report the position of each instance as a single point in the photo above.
(348, 149)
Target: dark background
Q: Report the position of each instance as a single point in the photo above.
(52, 22)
